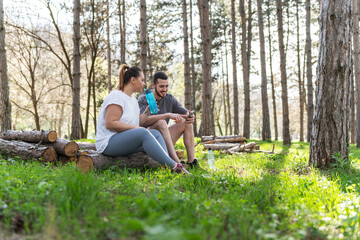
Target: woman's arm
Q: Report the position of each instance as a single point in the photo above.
(112, 116)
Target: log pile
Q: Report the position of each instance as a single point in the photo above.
(230, 144)
(44, 146)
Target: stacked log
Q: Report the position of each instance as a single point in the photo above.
(46, 147)
(230, 144)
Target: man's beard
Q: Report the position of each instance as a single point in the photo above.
(157, 93)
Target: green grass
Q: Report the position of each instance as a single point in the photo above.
(249, 196)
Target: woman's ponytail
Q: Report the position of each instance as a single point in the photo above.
(123, 69)
(126, 73)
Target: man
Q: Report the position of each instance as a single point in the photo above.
(170, 108)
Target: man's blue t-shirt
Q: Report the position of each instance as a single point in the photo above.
(168, 104)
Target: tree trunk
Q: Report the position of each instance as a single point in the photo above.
(224, 93)
(122, 19)
(284, 97)
(310, 105)
(99, 161)
(143, 39)
(28, 151)
(108, 44)
(193, 73)
(5, 105)
(246, 70)
(355, 30)
(301, 94)
(206, 66)
(266, 133)
(352, 107)
(186, 58)
(271, 72)
(94, 101)
(330, 130)
(233, 57)
(227, 84)
(46, 136)
(65, 147)
(75, 121)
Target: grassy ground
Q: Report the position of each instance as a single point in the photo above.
(250, 196)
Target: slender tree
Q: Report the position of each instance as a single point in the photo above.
(5, 105)
(205, 31)
(143, 38)
(300, 85)
(246, 39)
(355, 18)
(108, 44)
(233, 57)
(193, 73)
(122, 23)
(75, 120)
(284, 97)
(310, 105)
(330, 130)
(271, 71)
(352, 109)
(186, 58)
(227, 84)
(266, 133)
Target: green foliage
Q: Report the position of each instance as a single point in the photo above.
(249, 196)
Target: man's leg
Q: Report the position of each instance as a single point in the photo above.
(162, 127)
(187, 131)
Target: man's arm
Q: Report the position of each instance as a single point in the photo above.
(154, 118)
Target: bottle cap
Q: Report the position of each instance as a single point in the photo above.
(147, 90)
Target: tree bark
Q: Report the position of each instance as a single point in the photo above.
(95, 160)
(75, 120)
(284, 97)
(356, 56)
(271, 72)
(352, 109)
(301, 92)
(65, 147)
(310, 105)
(187, 79)
(330, 131)
(28, 151)
(234, 61)
(108, 44)
(5, 105)
(143, 39)
(206, 66)
(193, 73)
(266, 133)
(46, 136)
(122, 19)
(246, 70)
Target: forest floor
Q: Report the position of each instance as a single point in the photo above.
(249, 196)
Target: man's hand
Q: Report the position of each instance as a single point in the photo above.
(190, 119)
(178, 118)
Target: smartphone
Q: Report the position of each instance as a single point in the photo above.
(191, 113)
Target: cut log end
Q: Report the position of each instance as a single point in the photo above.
(52, 136)
(85, 163)
(180, 153)
(71, 149)
(49, 155)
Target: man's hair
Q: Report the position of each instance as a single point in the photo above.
(160, 75)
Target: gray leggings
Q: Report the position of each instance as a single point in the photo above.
(137, 140)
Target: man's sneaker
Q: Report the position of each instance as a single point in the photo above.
(179, 168)
(195, 164)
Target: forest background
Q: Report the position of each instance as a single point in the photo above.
(40, 51)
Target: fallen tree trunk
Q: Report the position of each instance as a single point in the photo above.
(46, 136)
(87, 146)
(65, 147)
(220, 146)
(28, 151)
(95, 160)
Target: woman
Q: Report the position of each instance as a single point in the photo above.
(118, 132)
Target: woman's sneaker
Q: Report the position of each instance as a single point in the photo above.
(179, 168)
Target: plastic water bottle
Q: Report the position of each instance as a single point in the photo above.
(211, 159)
(151, 101)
